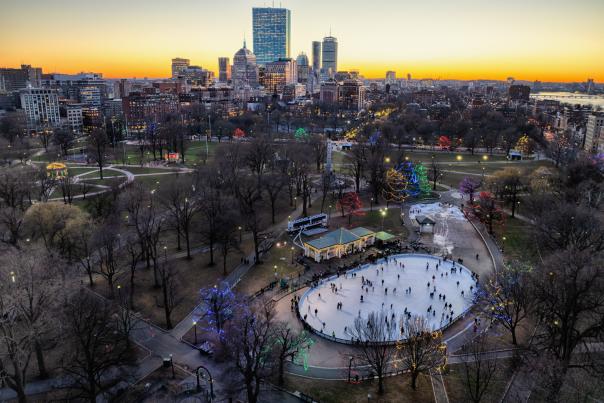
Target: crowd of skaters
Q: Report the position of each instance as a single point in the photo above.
(368, 289)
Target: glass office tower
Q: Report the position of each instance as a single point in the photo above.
(271, 34)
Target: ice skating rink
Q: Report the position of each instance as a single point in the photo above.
(388, 290)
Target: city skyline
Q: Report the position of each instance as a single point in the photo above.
(547, 41)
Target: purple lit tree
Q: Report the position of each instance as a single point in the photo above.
(469, 186)
(218, 305)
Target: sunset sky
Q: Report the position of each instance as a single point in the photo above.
(548, 40)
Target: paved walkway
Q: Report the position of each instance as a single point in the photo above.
(438, 387)
(240, 271)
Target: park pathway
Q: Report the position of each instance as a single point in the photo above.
(438, 387)
(233, 278)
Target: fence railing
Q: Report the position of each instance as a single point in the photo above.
(364, 266)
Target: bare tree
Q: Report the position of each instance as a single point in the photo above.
(135, 255)
(227, 237)
(15, 348)
(170, 291)
(435, 173)
(108, 242)
(143, 216)
(97, 147)
(479, 366)
(569, 304)
(423, 349)
(68, 188)
(98, 356)
(357, 160)
(374, 336)
(376, 168)
(289, 343)
(560, 225)
(49, 221)
(319, 150)
(259, 154)
(64, 139)
(84, 248)
(211, 210)
(11, 225)
(509, 296)
(250, 198)
(273, 186)
(182, 204)
(507, 185)
(250, 337)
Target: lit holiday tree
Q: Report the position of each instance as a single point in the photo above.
(422, 176)
(300, 134)
(395, 187)
(238, 133)
(408, 170)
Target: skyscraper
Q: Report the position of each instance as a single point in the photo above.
(278, 74)
(224, 69)
(272, 28)
(178, 66)
(245, 70)
(316, 56)
(390, 77)
(330, 54)
(303, 68)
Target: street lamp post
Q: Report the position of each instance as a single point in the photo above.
(349, 367)
(295, 202)
(165, 254)
(383, 214)
(292, 249)
(195, 330)
(212, 396)
(239, 228)
(172, 365)
(371, 204)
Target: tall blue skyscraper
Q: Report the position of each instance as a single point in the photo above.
(272, 27)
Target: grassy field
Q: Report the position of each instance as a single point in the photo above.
(76, 170)
(397, 390)
(457, 390)
(141, 170)
(518, 243)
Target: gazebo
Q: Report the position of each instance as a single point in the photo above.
(426, 224)
(56, 170)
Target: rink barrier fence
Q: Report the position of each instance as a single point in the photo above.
(319, 333)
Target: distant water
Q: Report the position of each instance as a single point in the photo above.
(571, 98)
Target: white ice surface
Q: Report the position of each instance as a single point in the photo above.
(413, 275)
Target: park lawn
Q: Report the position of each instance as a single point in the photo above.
(260, 275)
(518, 244)
(192, 275)
(107, 180)
(47, 156)
(155, 181)
(107, 172)
(456, 388)
(426, 156)
(196, 152)
(137, 170)
(397, 390)
(77, 170)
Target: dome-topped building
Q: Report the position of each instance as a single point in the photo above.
(245, 70)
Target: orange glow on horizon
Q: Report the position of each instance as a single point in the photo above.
(557, 40)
